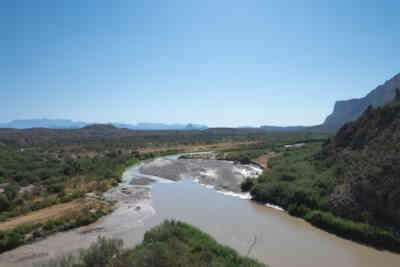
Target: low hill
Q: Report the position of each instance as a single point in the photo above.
(43, 123)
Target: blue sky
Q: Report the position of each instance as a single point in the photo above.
(221, 63)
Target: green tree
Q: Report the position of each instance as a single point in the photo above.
(11, 191)
(4, 203)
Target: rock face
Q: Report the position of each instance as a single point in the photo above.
(369, 148)
(349, 110)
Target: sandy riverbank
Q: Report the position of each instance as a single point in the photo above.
(132, 208)
(222, 175)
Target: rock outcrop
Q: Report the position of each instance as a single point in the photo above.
(369, 148)
(349, 110)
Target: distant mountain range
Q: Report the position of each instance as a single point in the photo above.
(69, 124)
(349, 110)
(145, 126)
(43, 123)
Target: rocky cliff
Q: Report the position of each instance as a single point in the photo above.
(349, 110)
(369, 148)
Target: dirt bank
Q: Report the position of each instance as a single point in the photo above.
(132, 208)
(263, 159)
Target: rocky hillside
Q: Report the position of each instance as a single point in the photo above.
(369, 148)
(350, 110)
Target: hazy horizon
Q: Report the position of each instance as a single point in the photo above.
(218, 63)
(157, 122)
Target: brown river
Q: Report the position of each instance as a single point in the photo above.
(281, 240)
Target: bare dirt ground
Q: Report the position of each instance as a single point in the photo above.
(132, 208)
(195, 148)
(43, 215)
(263, 160)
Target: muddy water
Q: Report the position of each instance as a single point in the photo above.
(281, 240)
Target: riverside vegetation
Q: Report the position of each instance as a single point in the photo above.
(56, 169)
(45, 177)
(172, 243)
(39, 182)
(247, 153)
(348, 185)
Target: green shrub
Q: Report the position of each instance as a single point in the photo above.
(247, 184)
(169, 244)
(56, 188)
(297, 210)
(10, 240)
(49, 225)
(5, 204)
(11, 191)
(101, 252)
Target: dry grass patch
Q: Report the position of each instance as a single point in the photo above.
(89, 186)
(263, 160)
(195, 148)
(68, 210)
